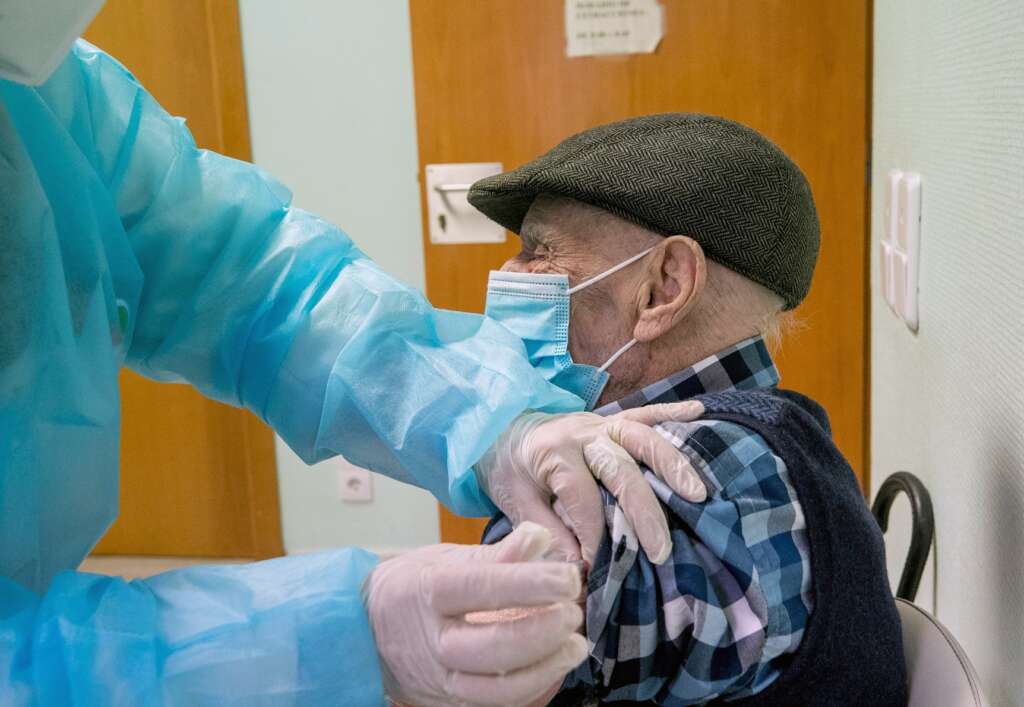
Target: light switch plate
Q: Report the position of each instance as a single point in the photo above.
(900, 245)
(451, 217)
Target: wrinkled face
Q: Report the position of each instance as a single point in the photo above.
(564, 237)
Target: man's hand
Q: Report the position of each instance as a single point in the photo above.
(544, 459)
(431, 655)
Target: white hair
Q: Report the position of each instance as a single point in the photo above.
(734, 307)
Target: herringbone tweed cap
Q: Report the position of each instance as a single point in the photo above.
(717, 181)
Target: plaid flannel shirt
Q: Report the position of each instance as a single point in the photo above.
(723, 616)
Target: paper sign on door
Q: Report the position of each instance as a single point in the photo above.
(595, 27)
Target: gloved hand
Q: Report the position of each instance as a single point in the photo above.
(541, 459)
(431, 655)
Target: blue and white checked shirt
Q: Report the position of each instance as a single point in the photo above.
(721, 618)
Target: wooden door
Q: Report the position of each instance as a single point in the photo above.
(197, 478)
(493, 84)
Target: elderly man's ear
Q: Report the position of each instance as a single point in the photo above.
(673, 282)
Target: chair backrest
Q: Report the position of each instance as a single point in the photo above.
(938, 669)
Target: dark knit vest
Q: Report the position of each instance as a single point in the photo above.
(852, 651)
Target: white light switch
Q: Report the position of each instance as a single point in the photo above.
(885, 273)
(452, 219)
(355, 485)
(909, 243)
(892, 198)
(899, 249)
(899, 282)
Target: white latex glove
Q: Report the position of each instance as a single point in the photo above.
(545, 459)
(431, 655)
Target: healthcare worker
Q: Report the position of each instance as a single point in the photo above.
(122, 243)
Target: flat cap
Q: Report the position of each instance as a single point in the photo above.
(721, 183)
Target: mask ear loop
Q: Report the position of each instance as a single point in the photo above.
(606, 273)
(597, 278)
(616, 355)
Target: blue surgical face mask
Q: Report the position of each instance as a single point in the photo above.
(535, 307)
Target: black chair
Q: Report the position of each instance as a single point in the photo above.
(923, 528)
(939, 670)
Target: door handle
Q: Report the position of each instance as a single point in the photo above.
(444, 188)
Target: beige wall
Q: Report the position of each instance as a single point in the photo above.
(948, 402)
(332, 115)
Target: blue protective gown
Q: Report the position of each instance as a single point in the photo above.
(122, 243)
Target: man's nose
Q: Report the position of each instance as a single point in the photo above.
(514, 265)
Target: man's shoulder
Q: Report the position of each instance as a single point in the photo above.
(767, 408)
(747, 436)
(724, 452)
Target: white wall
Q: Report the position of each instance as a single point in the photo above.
(948, 403)
(332, 116)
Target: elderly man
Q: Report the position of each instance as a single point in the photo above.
(658, 255)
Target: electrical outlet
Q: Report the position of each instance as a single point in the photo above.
(355, 485)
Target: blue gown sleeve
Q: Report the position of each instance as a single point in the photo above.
(286, 632)
(260, 304)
